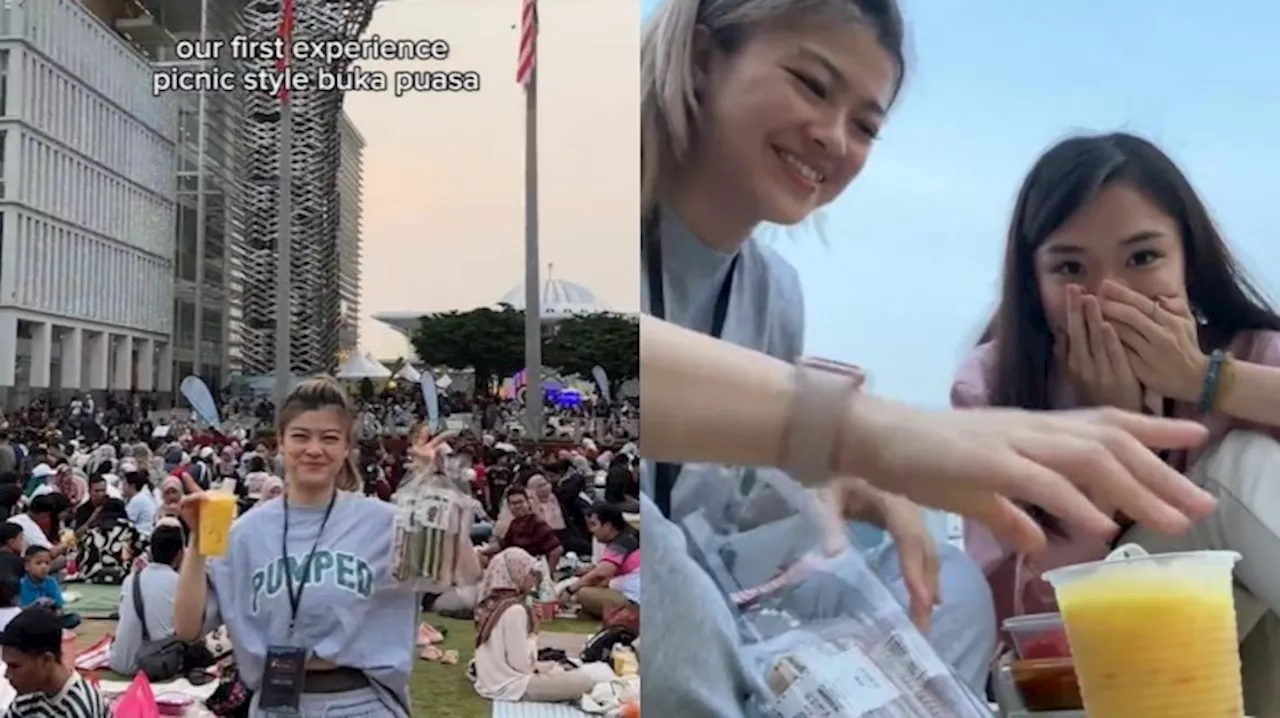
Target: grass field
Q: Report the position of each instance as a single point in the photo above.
(435, 689)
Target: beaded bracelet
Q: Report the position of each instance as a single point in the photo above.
(1212, 378)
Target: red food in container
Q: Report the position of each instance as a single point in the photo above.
(1047, 684)
(1040, 635)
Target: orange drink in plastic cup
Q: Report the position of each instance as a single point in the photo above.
(217, 512)
(1153, 636)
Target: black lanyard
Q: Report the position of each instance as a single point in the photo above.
(667, 473)
(295, 598)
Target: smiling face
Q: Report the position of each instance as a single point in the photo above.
(790, 116)
(1120, 236)
(315, 446)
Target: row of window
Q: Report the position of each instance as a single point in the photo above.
(82, 193)
(72, 37)
(67, 111)
(184, 323)
(65, 271)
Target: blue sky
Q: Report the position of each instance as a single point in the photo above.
(908, 271)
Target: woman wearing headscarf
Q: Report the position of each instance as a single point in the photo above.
(75, 488)
(272, 487)
(506, 665)
(103, 459)
(546, 505)
(170, 496)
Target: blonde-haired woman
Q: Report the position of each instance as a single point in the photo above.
(764, 111)
(305, 586)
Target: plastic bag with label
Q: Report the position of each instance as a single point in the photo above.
(822, 636)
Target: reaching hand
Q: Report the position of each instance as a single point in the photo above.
(978, 462)
(856, 500)
(917, 557)
(1094, 356)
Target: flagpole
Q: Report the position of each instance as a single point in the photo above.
(284, 230)
(532, 281)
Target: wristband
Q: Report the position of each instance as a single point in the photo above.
(815, 424)
(1226, 379)
(1212, 380)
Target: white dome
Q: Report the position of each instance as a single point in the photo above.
(559, 299)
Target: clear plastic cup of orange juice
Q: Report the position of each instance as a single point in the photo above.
(1153, 636)
(217, 512)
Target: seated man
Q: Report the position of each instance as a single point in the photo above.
(38, 522)
(526, 531)
(31, 646)
(13, 547)
(613, 582)
(99, 509)
(40, 588)
(158, 583)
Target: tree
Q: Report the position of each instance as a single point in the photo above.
(487, 340)
(581, 342)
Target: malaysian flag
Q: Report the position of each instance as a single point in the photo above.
(286, 34)
(528, 42)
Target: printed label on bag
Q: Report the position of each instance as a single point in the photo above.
(827, 682)
(432, 511)
(903, 655)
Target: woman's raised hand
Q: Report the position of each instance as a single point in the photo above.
(426, 447)
(979, 462)
(189, 506)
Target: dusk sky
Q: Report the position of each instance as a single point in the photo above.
(907, 274)
(444, 173)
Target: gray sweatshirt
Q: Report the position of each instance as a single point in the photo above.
(350, 613)
(693, 666)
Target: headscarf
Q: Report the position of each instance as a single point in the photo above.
(548, 508)
(500, 590)
(255, 482)
(70, 485)
(169, 505)
(272, 487)
(101, 456)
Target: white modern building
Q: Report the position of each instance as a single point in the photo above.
(559, 299)
(350, 212)
(87, 207)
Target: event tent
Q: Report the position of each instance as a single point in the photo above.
(360, 366)
(408, 374)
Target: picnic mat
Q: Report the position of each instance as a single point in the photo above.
(505, 709)
(91, 600)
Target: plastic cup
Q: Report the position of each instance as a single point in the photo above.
(217, 512)
(1153, 636)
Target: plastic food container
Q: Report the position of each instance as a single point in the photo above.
(1047, 684)
(1041, 635)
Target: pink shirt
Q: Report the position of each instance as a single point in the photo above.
(626, 564)
(1015, 581)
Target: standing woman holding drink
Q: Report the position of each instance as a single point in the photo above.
(304, 585)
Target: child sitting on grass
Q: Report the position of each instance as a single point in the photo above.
(38, 587)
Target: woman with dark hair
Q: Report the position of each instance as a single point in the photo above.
(1119, 291)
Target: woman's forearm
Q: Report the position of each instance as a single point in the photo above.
(190, 597)
(710, 401)
(1253, 394)
(706, 400)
